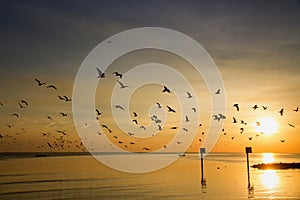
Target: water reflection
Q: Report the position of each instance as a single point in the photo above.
(268, 158)
(269, 179)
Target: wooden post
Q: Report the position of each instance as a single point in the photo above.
(248, 150)
(202, 151)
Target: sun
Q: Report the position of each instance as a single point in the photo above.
(266, 125)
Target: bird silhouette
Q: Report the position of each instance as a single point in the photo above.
(52, 86)
(135, 121)
(291, 125)
(255, 107)
(49, 117)
(98, 112)
(189, 95)
(242, 130)
(24, 102)
(130, 134)
(166, 89)
(297, 109)
(100, 73)
(194, 109)
(159, 127)
(15, 114)
(147, 149)
(216, 117)
(21, 106)
(234, 120)
(250, 138)
(122, 85)
(281, 111)
(9, 126)
(143, 127)
(185, 129)
(218, 91)
(134, 114)
(282, 141)
(63, 114)
(187, 119)
(39, 82)
(119, 106)
(173, 127)
(236, 105)
(171, 109)
(117, 74)
(158, 105)
(265, 107)
(67, 98)
(61, 98)
(232, 138)
(257, 123)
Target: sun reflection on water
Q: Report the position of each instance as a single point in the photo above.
(270, 179)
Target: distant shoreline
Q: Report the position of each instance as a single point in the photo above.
(267, 166)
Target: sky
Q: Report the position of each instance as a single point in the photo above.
(254, 44)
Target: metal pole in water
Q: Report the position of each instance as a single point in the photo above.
(248, 150)
(202, 151)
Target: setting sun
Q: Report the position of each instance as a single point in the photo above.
(266, 125)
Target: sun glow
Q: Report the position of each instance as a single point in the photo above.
(266, 125)
(269, 179)
(268, 158)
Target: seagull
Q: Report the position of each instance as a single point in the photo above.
(67, 99)
(24, 102)
(194, 109)
(171, 109)
(8, 125)
(173, 127)
(135, 121)
(234, 120)
(100, 73)
(218, 91)
(178, 142)
(143, 127)
(265, 107)
(257, 123)
(39, 82)
(158, 105)
(291, 125)
(117, 74)
(159, 127)
(119, 106)
(166, 89)
(131, 142)
(232, 138)
(297, 109)
(130, 134)
(147, 149)
(281, 111)
(122, 85)
(52, 86)
(61, 98)
(250, 138)
(282, 141)
(98, 112)
(236, 105)
(187, 119)
(189, 95)
(202, 133)
(21, 106)
(242, 130)
(62, 132)
(134, 114)
(216, 117)
(185, 129)
(15, 114)
(222, 116)
(49, 117)
(63, 114)
(255, 107)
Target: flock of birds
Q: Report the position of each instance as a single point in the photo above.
(58, 140)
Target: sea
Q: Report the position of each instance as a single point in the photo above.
(81, 176)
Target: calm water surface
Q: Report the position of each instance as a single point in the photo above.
(83, 177)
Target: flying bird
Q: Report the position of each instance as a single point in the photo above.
(255, 107)
(159, 127)
(291, 125)
(134, 114)
(135, 121)
(281, 111)
(158, 105)
(282, 141)
(265, 107)
(100, 73)
(171, 109)
(130, 134)
(297, 109)
(122, 85)
(189, 95)
(39, 82)
(250, 138)
(166, 89)
(98, 112)
(61, 98)
(117, 74)
(67, 98)
(147, 149)
(63, 114)
(15, 114)
(187, 119)
(234, 120)
(24, 102)
(236, 105)
(119, 106)
(218, 91)
(242, 130)
(21, 106)
(52, 86)
(194, 109)
(143, 127)
(216, 117)
(185, 129)
(49, 117)
(257, 123)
